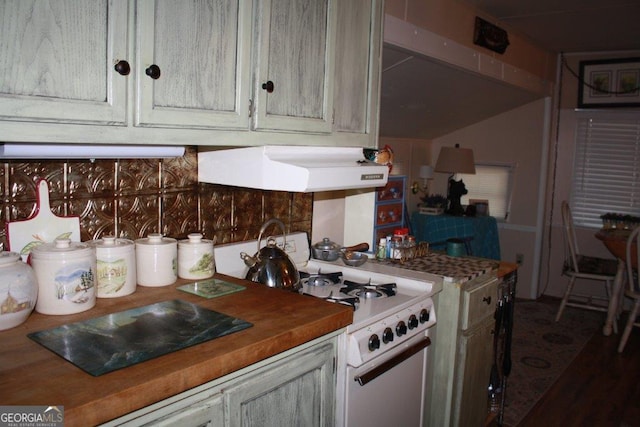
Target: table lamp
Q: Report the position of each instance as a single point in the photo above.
(455, 160)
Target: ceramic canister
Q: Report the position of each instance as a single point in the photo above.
(195, 257)
(116, 261)
(18, 290)
(156, 260)
(65, 271)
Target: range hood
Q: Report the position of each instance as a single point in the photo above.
(291, 168)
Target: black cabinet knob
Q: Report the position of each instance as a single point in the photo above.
(153, 71)
(268, 86)
(487, 300)
(122, 67)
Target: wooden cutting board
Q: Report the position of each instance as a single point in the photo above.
(42, 227)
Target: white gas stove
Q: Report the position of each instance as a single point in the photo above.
(382, 356)
(388, 310)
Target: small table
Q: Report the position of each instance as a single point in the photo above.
(481, 230)
(616, 242)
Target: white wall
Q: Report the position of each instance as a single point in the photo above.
(516, 137)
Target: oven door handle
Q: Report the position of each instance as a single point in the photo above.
(389, 364)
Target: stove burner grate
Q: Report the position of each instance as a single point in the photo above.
(353, 302)
(367, 290)
(320, 279)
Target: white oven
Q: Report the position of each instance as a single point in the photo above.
(385, 392)
(382, 356)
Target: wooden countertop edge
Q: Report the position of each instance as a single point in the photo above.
(506, 268)
(307, 319)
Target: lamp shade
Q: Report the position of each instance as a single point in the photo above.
(456, 160)
(426, 172)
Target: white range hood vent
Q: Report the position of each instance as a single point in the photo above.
(291, 168)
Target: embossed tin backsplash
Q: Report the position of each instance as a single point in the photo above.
(134, 197)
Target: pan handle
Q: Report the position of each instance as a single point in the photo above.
(360, 247)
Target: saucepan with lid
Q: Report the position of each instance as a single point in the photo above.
(327, 250)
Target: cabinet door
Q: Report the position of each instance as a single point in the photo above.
(297, 391)
(200, 52)
(357, 66)
(476, 351)
(208, 412)
(57, 61)
(294, 65)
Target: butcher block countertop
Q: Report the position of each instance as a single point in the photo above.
(30, 374)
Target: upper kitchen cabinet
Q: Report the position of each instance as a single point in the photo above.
(192, 63)
(56, 61)
(198, 72)
(294, 65)
(357, 70)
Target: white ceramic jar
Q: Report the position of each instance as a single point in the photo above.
(116, 263)
(195, 258)
(156, 260)
(66, 276)
(18, 290)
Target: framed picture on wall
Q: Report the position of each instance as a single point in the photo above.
(609, 83)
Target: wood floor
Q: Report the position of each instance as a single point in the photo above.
(600, 388)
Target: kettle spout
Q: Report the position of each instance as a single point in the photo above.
(248, 259)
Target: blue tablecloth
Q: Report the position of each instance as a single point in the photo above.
(480, 232)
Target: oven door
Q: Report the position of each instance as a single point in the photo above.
(388, 390)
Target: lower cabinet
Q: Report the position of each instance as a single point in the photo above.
(476, 350)
(462, 353)
(295, 388)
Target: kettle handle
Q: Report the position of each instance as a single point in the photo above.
(266, 225)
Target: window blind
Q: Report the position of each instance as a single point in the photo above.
(492, 183)
(606, 170)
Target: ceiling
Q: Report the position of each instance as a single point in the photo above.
(424, 98)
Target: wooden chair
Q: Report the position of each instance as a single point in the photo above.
(633, 286)
(578, 266)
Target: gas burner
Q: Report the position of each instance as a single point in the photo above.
(367, 290)
(320, 279)
(353, 302)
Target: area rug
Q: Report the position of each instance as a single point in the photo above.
(542, 349)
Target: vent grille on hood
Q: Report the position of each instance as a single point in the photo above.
(291, 168)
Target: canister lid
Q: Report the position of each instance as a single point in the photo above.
(61, 248)
(111, 242)
(195, 239)
(7, 257)
(156, 239)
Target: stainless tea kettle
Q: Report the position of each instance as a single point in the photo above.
(271, 265)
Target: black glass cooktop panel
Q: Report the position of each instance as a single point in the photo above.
(118, 340)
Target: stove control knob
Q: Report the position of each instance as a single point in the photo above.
(401, 328)
(387, 336)
(413, 321)
(374, 342)
(424, 315)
